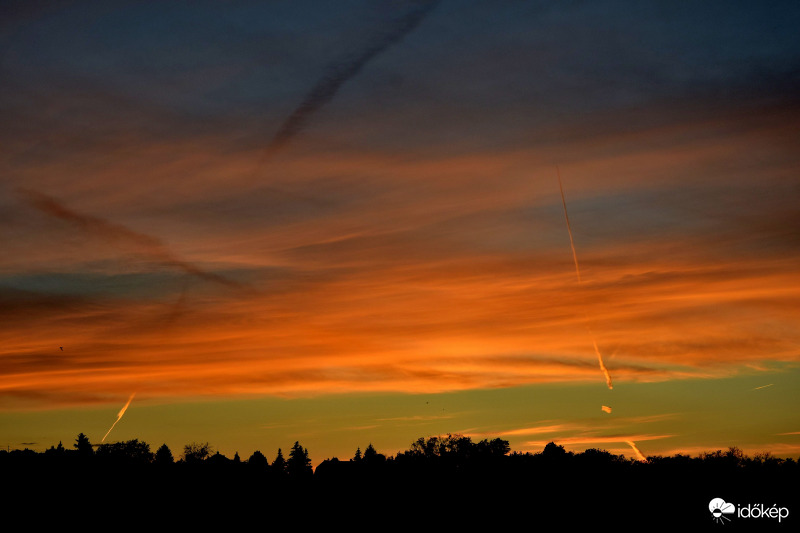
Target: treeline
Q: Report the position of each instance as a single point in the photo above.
(434, 474)
(138, 454)
(456, 452)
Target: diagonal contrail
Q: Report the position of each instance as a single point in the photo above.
(578, 274)
(569, 227)
(639, 455)
(328, 85)
(115, 232)
(600, 361)
(119, 417)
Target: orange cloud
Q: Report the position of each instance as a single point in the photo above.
(376, 271)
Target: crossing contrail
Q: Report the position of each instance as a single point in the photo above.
(119, 416)
(328, 85)
(117, 233)
(578, 274)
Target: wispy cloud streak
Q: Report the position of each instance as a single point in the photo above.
(591, 439)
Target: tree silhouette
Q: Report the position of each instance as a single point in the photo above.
(423, 447)
(357, 456)
(130, 451)
(164, 455)
(196, 452)
(370, 452)
(258, 461)
(493, 448)
(299, 464)
(372, 457)
(457, 473)
(554, 451)
(279, 464)
(455, 448)
(83, 445)
(59, 450)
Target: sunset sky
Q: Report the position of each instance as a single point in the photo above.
(340, 223)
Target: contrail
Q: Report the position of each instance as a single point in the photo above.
(114, 232)
(764, 386)
(639, 454)
(327, 86)
(119, 416)
(578, 274)
(602, 364)
(569, 228)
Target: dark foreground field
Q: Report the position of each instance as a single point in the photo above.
(439, 482)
